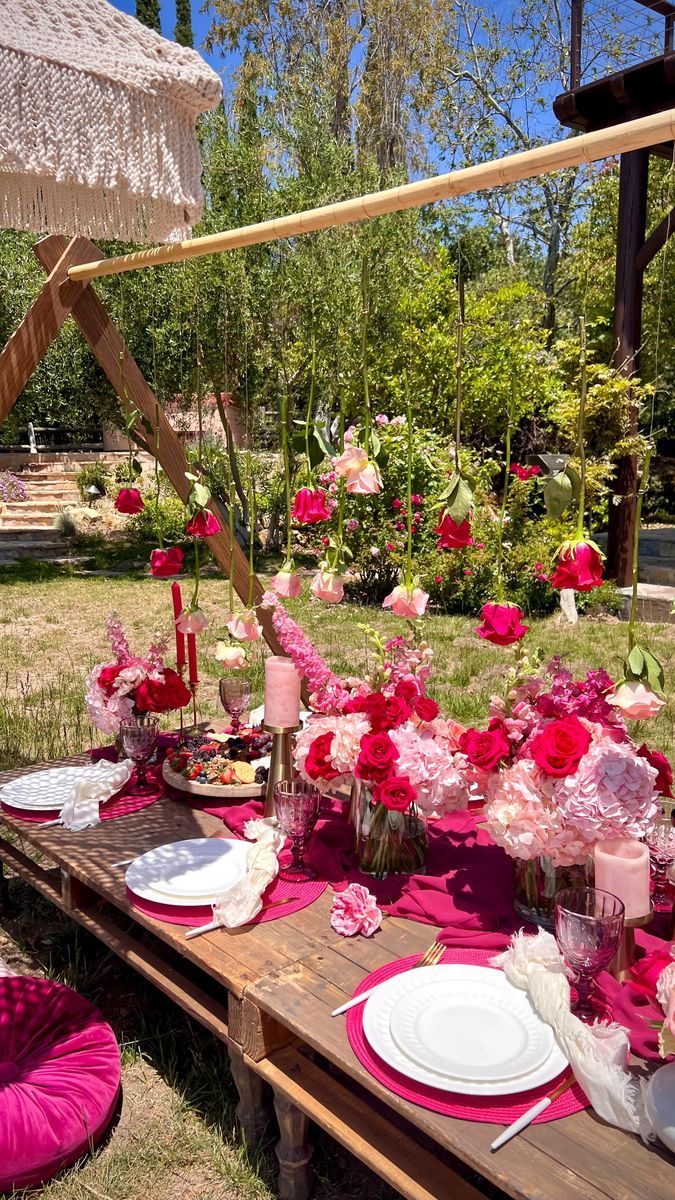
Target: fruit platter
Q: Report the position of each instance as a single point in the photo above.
(220, 765)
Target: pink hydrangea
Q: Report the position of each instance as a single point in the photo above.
(355, 911)
(611, 794)
(523, 821)
(443, 780)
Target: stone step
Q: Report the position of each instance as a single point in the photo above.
(44, 551)
(17, 520)
(11, 534)
(655, 602)
(657, 571)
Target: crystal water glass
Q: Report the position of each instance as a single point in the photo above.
(296, 804)
(588, 929)
(235, 696)
(139, 741)
(660, 838)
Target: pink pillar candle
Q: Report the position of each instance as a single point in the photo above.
(180, 637)
(282, 692)
(622, 868)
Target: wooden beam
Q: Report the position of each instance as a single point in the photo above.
(571, 152)
(576, 31)
(29, 342)
(656, 241)
(110, 351)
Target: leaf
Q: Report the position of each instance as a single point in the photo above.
(136, 467)
(200, 495)
(316, 452)
(654, 671)
(298, 441)
(459, 502)
(191, 477)
(375, 443)
(322, 438)
(635, 662)
(558, 494)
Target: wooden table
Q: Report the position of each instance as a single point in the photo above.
(267, 992)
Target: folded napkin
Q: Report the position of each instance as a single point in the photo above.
(598, 1054)
(5, 969)
(241, 903)
(99, 783)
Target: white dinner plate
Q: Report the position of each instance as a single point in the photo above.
(45, 790)
(188, 873)
(488, 1080)
(472, 1029)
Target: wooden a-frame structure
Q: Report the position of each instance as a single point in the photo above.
(60, 298)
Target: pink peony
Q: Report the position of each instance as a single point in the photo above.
(233, 658)
(286, 584)
(192, 620)
(165, 563)
(407, 602)
(328, 586)
(355, 910)
(244, 626)
(636, 701)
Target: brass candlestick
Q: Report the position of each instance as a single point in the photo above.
(281, 760)
(626, 955)
(193, 689)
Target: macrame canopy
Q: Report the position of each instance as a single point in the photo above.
(97, 123)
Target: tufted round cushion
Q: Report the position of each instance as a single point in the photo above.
(59, 1079)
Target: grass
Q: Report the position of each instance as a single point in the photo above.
(176, 1135)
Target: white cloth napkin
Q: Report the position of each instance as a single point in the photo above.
(5, 969)
(98, 784)
(598, 1054)
(242, 902)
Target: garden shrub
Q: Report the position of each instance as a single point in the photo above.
(92, 473)
(169, 514)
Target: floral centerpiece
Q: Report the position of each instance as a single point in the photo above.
(128, 686)
(560, 774)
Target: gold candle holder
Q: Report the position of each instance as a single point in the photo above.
(193, 688)
(281, 760)
(626, 954)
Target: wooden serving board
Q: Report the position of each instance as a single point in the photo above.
(222, 791)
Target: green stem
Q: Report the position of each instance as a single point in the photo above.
(158, 521)
(644, 484)
(251, 536)
(582, 421)
(365, 317)
(310, 404)
(287, 472)
(505, 493)
(233, 499)
(458, 374)
(408, 401)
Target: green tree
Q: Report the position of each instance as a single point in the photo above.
(147, 11)
(183, 28)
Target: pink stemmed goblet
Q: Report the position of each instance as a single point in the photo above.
(235, 695)
(296, 804)
(660, 838)
(139, 740)
(588, 929)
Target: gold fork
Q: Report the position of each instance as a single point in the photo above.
(431, 958)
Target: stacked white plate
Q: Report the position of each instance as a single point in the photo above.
(461, 1029)
(45, 791)
(188, 873)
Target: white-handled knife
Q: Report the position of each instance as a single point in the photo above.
(529, 1116)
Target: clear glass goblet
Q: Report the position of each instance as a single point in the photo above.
(588, 929)
(235, 696)
(660, 838)
(139, 741)
(296, 804)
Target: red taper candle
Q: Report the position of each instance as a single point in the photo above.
(180, 637)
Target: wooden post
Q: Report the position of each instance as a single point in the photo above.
(632, 221)
(576, 29)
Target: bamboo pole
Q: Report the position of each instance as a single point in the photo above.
(586, 148)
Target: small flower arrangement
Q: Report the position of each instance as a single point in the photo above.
(129, 686)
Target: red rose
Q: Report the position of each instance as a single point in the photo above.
(664, 779)
(162, 695)
(486, 749)
(452, 536)
(396, 793)
(426, 708)
(107, 676)
(203, 524)
(164, 563)
(560, 747)
(579, 567)
(309, 507)
(397, 711)
(408, 690)
(501, 624)
(377, 757)
(129, 501)
(318, 763)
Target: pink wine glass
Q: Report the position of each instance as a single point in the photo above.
(235, 695)
(588, 928)
(296, 805)
(139, 741)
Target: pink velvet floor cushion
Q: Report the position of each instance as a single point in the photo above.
(59, 1079)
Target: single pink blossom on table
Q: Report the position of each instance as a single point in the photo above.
(287, 584)
(635, 701)
(364, 481)
(244, 626)
(355, 911)
(406, 602)
(192, 620)
(233, 658)
(327, 586)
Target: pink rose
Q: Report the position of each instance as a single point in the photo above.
(635, 701)
(327, 586)
(501, 624)
(353, 458)
(365, 481)
(381, 419)
(233, 658)
(192, 620)
(203, 524)
(286, 584)
(406, 602)
(244, 626)
(129, 501)
(165, 563)
(355, 910)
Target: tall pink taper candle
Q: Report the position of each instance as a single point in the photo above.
(180, 637)
(282, 692)
(622, 868)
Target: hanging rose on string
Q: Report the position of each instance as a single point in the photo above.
(578, 566)
(327, 584)
(129, 501)
(231, 658)
(203, 524)
(452, 535)
(165, 563)
(501, 624)
(244, 626)
(310, 507)
(286, 583)
(639, 695)
(361, 474)
(192, 620)
(407, 600)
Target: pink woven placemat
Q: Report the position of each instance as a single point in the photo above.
(500, 1110)
(306, 894)
(122, 805)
